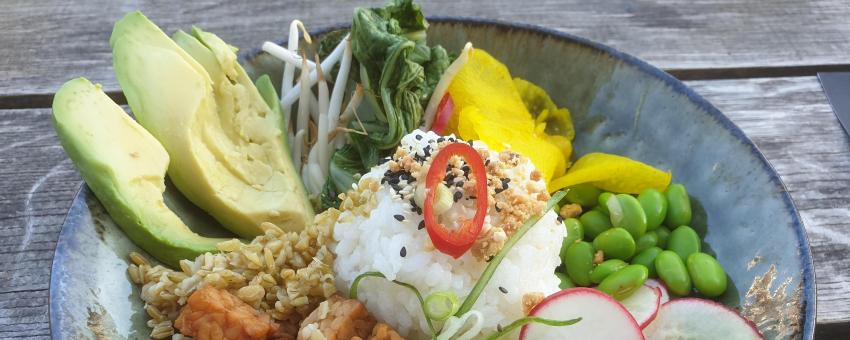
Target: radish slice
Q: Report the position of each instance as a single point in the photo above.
(602, 317)
(665, 296)
(643, 304)
(699, 319)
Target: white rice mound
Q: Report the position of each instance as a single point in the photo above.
(373, 243)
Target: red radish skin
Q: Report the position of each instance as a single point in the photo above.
(602, 317)
(643, 304)
(695, 318)
(665, 296)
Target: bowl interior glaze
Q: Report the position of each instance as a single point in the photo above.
(619, 104)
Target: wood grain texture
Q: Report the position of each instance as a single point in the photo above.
(48, 42)
(788, 118)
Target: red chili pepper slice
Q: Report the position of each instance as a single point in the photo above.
(455, 242)
(444, 113)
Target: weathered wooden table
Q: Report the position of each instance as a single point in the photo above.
(755, 60)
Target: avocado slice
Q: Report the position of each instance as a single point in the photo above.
(125, 168)
(228, 149)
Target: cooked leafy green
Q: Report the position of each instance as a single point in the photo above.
(398, 71)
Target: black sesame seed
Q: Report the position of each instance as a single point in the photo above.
(560, 219)
(421, 225)
(489, 259)
(487, 162)
(403, 252)
(458, 195)
(440, 140)
(497, 208)
(418, 137)
(505, 182)
(503, 290)
(399, 218)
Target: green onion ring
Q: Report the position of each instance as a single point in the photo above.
(441, 305)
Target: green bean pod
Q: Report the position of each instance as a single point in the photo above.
(579, 263)
(673, 272)
(594, 222)
(654, 205)
(707, 274)
(622, 283)
(684, 241)
(626, 212)
(678, 206)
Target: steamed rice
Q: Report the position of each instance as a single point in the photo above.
(368, 236)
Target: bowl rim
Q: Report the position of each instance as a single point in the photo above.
(808, 279)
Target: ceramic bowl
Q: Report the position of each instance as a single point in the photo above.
(620, 105)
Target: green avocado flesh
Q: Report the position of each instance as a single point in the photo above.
(227, 146)
(125, 168)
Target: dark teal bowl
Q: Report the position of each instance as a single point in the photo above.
(620, 105)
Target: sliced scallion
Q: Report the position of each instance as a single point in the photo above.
(497, 259)
(441, 305)
(352, 293)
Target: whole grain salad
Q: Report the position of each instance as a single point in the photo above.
(381, 187)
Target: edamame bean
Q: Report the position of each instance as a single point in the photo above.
(648, 240)
(575, 232)
(584, 194)
(615, 243)
(654, 205)
(684, 241)
(594, 222)
(678, 206)
(565, 281)
(672, 271)
(601, 201)
(606, 268)
(622, 283)
(647, 258)
(579, 262)
(707, 274)
(626, 212)
(663, 235)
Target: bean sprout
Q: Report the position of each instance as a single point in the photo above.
(304, 106)
(339, 89)
(287, 56)
(327, 64)
(322, 140)
(298, 149)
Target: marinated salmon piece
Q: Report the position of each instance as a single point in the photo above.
(337, 318)
(383, 331)
(213, 314)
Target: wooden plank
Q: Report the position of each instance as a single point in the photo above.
(787, 117)
(794, 126)
(48, 42)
